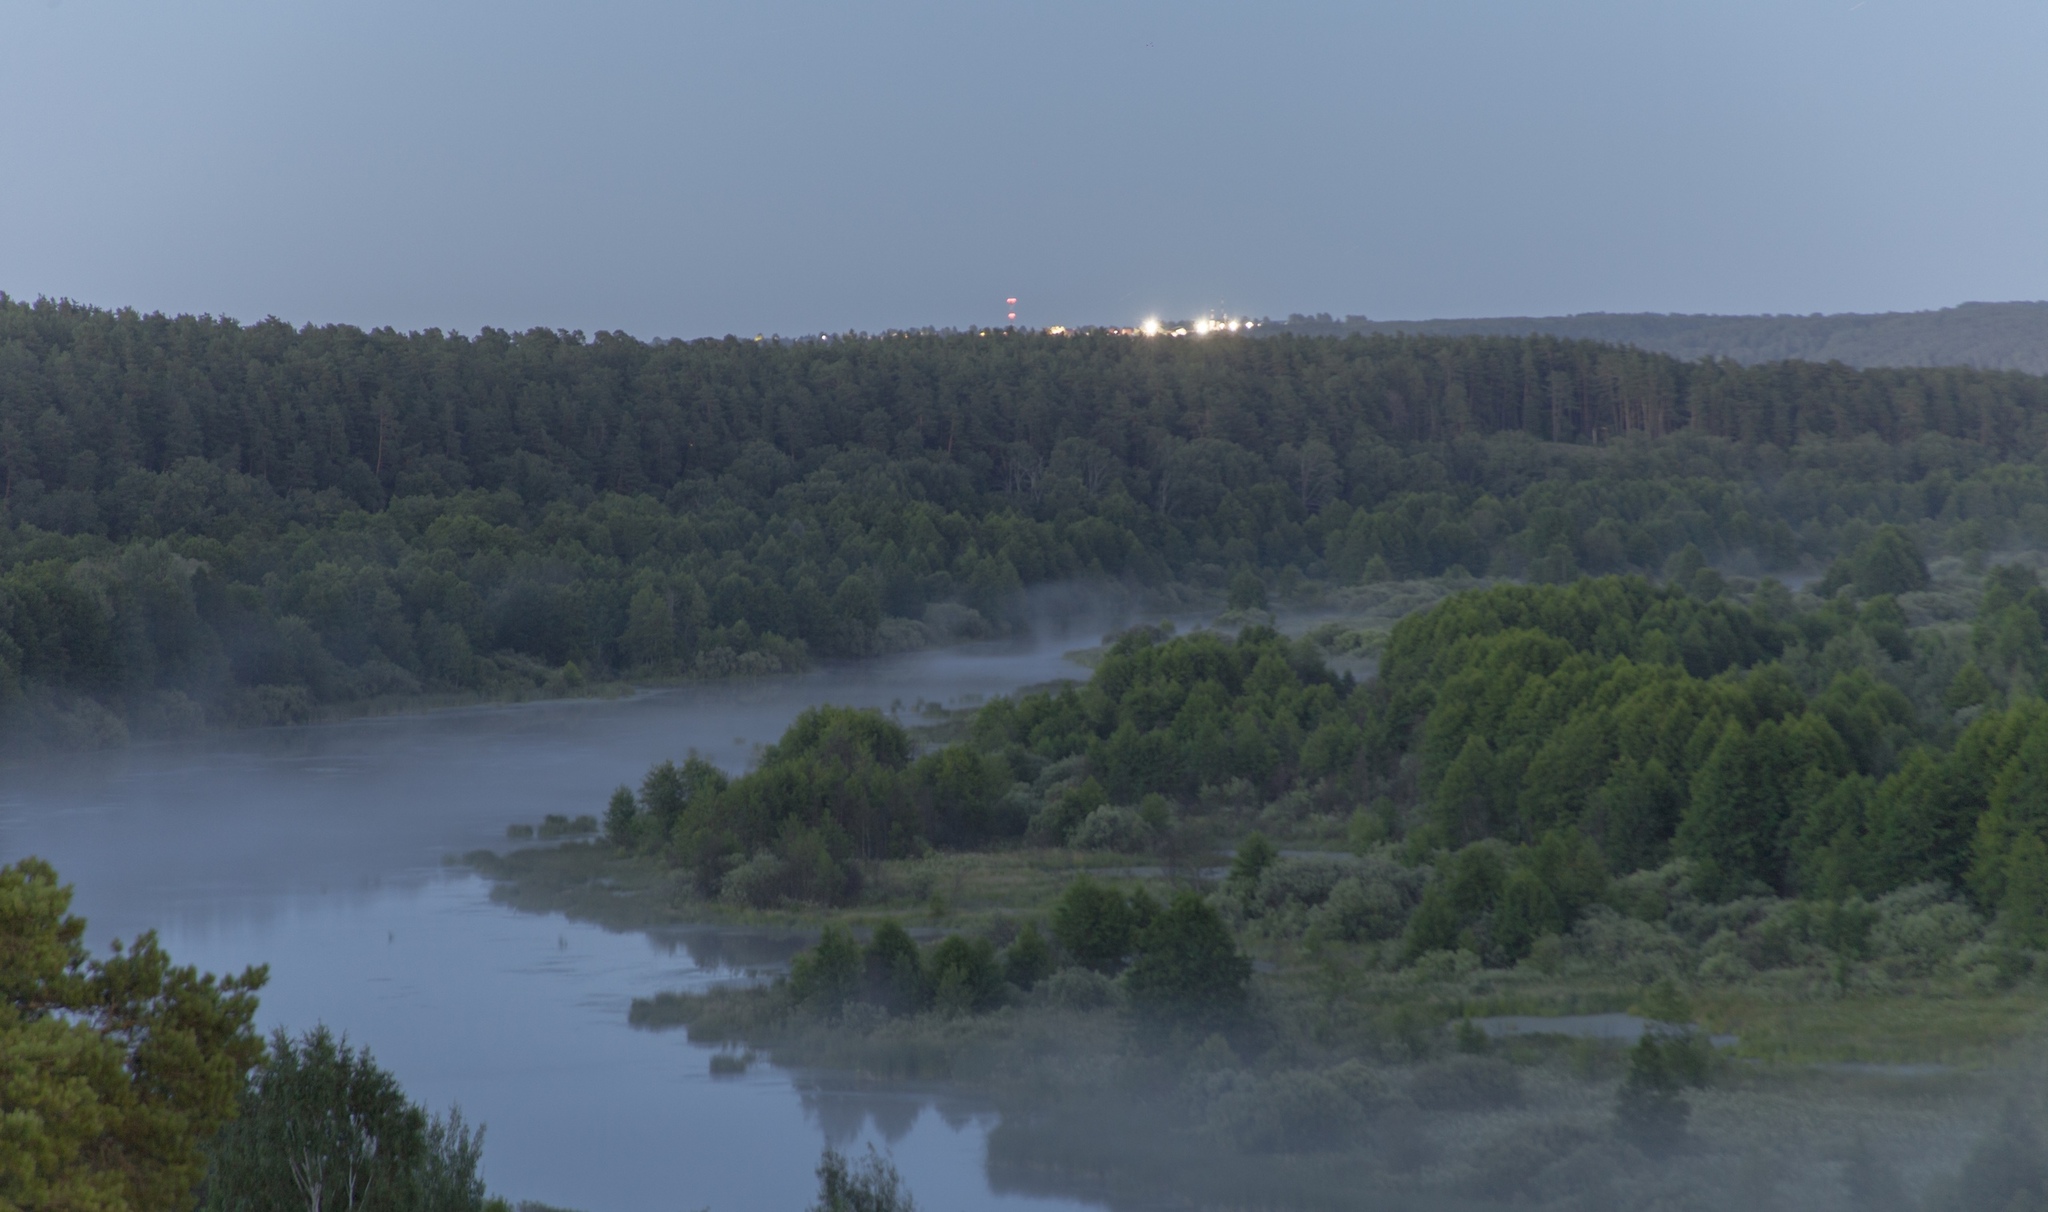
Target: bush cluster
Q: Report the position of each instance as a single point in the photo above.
(1177, 961)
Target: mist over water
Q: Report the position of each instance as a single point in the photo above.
(319, 851)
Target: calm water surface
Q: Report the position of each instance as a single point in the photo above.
(319, 851)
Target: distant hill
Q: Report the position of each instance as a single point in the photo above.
(1993, 336)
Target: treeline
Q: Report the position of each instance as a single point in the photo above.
(1163, 722)
(839, 790)
(1521, 748)
(1999, 336)
(206, 522)
(1820, 754)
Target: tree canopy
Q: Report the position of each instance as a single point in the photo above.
(115, 1072)
(207, 522)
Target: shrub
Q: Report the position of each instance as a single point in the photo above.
(1306, 882)
(1466, 1083)
(1919, 930)
(1063, 815)
(964, 975)
(1290, 1112)
(756, 883)
(1028, 959)
(1361, 907)
(1111, 827)
(1080, 989)
(1627, 947)
(824, 978)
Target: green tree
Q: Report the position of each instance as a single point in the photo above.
(2024, 908)
(1467, 805)
(1635, 813)
(115, 1072)
(1969, 688)
(1188, 964)
(1727, 827)
(1254, 855)
(828, 975)
(965, 976)
(1527, 911)
(1027, 960)
(649, 640)
(1247, 591)
(1093, 924)
(324, 1128)
(622, 819)
(1888, 562)
(1467, 887)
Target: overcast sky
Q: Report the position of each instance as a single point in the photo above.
(685, 169)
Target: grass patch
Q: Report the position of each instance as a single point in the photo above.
(1951, 1026)
(951, 891)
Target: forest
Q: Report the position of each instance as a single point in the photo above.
(1520, 747)
(1997, 336)
(1707, 799)
(210, 523)
(1696, 691)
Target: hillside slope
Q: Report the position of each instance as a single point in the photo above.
(1991, 336)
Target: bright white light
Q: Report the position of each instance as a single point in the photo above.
(1233, 326)
(1150, 327)
(1202, 326)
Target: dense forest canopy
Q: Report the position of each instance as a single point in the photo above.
(206, 521)
(1995, 336)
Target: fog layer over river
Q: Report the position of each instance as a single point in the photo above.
(319, 851)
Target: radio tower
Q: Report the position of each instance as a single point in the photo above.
(1013, 307)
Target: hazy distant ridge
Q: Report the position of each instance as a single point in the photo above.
(1993, 336)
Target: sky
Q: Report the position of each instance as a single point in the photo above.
(691, 169)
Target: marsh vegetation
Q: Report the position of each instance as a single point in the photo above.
(1772, 818)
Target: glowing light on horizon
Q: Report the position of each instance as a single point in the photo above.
(1202, 326)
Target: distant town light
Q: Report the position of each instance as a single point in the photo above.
(1201, 326)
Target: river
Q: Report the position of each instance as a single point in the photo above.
(321, 851)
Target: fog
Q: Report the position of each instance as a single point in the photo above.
(322, 851)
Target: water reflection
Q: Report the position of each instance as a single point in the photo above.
(320, 852)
